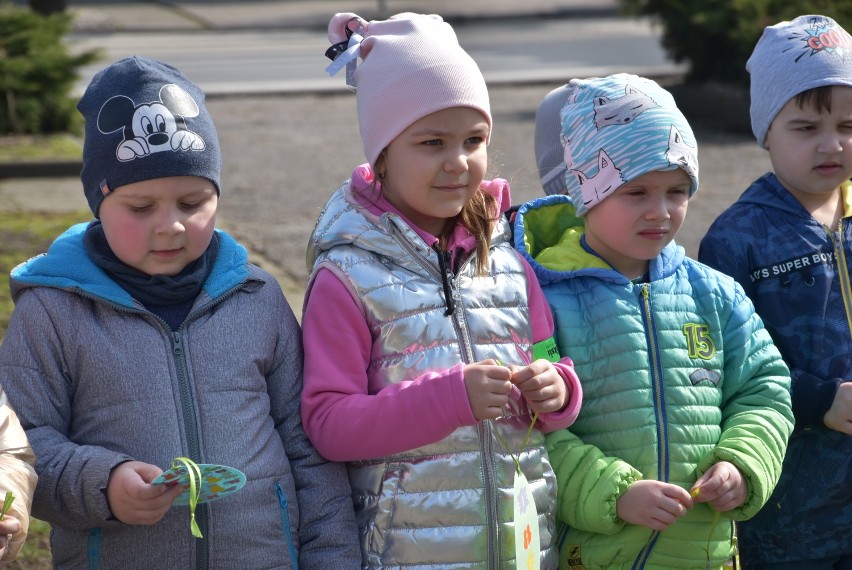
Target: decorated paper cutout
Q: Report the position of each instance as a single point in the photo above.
(214, 481)
(527, 540)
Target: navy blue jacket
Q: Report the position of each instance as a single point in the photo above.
(797, 273)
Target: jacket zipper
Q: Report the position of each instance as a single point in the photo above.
(485, 428)
(842, 272)
(659, 411)
(202, 546)
(192, 440)
(201, 550)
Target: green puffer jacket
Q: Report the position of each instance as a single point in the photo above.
(678, 374)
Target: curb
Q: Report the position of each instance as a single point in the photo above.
(46, 169)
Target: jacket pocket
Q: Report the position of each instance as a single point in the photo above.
(290, 529)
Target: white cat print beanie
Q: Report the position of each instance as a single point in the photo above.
(617, 128)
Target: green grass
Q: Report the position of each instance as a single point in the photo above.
(22, 237)
(60, 147)
(35, 555)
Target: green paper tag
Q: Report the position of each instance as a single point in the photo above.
(546, 349)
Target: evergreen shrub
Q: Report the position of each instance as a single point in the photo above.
(716, 37)
(37, 72)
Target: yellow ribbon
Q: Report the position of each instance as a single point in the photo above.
(194, 474)
(523, 444)
(716, 515)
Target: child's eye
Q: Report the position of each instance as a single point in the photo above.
(192, 206)
(432, 142)
(139, 209)
(475, 140)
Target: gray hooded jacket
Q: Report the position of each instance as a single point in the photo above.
(97, 380)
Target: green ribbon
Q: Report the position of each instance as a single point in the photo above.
(523, 444)
(716, 516)
(194, 474)
(7, 504)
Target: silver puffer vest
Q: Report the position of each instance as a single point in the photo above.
(447, 504)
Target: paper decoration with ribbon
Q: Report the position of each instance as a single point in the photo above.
(213, 481)
(527, 540)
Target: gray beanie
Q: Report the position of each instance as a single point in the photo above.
(549, 149)
(791, 58)
(144, 120)
(616, 129)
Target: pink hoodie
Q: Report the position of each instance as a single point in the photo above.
(344, 421)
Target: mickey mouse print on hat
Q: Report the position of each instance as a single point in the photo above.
(151, 127)
(144, 120)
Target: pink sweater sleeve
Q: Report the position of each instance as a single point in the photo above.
(343, 420)
(542, 329)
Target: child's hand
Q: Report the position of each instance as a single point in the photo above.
(488, 385)
(132, 499)
(722, 486)
(8, 526)
(653, 504)
(541, 385)
(839, 415)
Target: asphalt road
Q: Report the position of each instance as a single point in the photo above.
(257, 61)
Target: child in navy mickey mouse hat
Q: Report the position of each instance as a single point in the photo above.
(146, 335)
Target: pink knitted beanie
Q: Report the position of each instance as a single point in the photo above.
(412, 66)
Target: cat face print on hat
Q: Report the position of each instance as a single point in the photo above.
(617, 128)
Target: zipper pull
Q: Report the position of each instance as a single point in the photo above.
(443, 266)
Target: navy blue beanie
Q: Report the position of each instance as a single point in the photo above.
(144, 120)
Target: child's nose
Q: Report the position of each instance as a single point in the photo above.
(456, 162)
(170, 221)
(830, 143)
(658, 209)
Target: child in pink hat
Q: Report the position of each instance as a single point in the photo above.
(430, 364)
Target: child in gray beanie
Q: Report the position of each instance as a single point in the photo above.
(549, 146)
(686, 407)
(146, 336)
(788, 241)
